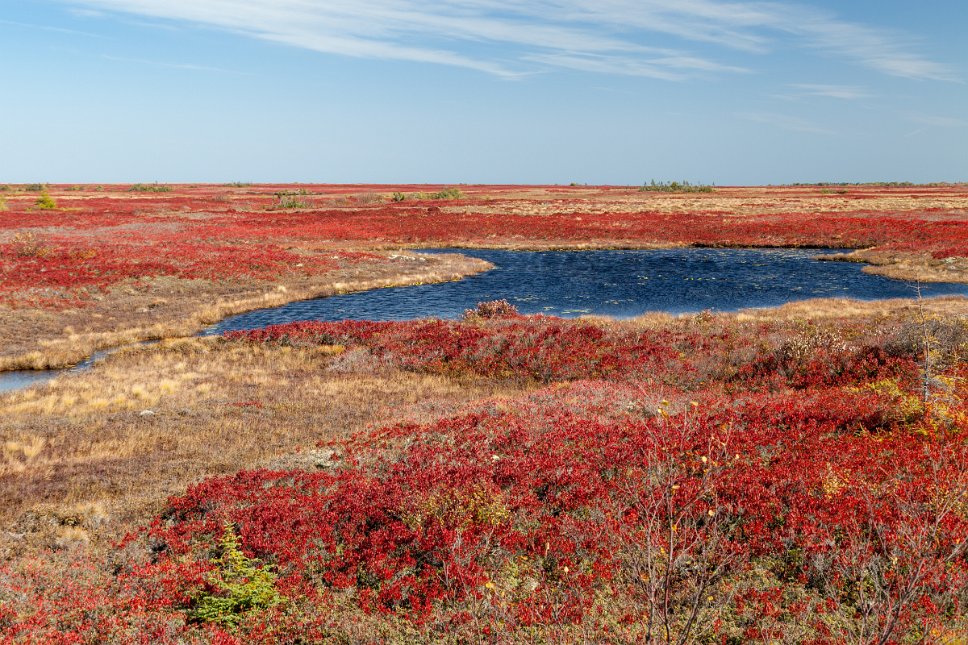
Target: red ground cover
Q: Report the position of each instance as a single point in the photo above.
(95, 239)
(711, 480)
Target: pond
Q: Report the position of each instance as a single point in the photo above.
(612, 283)
(574, 283)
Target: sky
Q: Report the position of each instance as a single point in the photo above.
(483, 91)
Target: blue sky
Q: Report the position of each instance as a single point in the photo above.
(483, 91)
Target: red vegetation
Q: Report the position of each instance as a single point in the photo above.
(96, 239)
(707, 480)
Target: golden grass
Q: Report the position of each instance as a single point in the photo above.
(101, 451)
(724, 201)
(907, 266)
(833, 308)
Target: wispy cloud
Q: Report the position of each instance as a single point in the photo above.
(940, 121)
(514, 38)
(59, 30)
(191, 67)
(785, 122)
(844, 92)
(883, 50)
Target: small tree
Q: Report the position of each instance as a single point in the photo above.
(241, 584)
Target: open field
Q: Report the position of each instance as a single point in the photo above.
(111, 265)
(726, 476)
(788, 475)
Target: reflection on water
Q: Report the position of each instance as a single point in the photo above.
(613, 283)
(10, 381)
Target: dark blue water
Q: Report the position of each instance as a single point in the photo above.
(613, 283)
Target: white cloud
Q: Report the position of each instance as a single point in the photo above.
(192, 67)
(510, 39)
(845, 92)
(60, 30)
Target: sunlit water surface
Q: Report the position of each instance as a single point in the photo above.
(613, 283)
(574, 283)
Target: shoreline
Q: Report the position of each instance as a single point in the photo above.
(65, 353)
(38, 361)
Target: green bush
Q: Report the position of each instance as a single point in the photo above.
(448, 193)
(398, 197)
(35, 188)
(242, 586)
(3, 204)
(150, 188)
(45, 202)
(675, 187)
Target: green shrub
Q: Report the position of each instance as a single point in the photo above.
(398, 197)
(45, 202)
(35, 188)
(675, 187)
(3, 204)
(239, 184)
(448, 193)
(242, 585)
(150, 188)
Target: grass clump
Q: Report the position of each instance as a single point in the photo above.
(286, 200)
(241, 586)
(150, 188)
(446, 193)
(675, 187)
(35, 188)
(368, 198)
(29, 245)
(3, 204)
(45, 202)
(238, 184)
